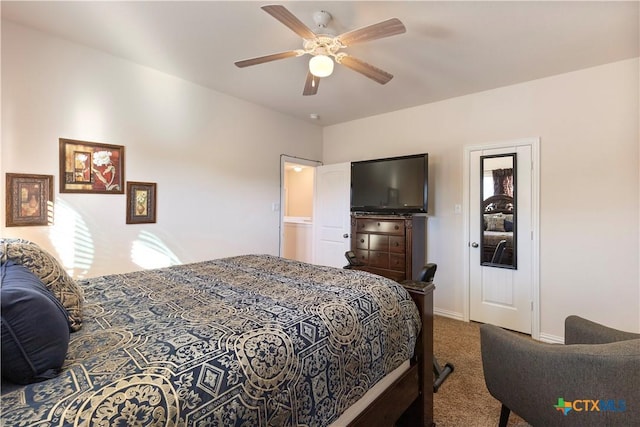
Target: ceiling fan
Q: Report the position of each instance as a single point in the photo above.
(323, 47)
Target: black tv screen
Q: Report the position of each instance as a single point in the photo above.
(395, 185)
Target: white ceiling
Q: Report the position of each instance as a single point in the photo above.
(451, 48)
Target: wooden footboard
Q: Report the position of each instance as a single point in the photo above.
(409, 400)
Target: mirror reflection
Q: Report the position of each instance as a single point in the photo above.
(498, 210)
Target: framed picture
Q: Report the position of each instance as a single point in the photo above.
(29, 200)
(141, 202)
(88, 167)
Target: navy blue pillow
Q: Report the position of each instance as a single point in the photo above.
(508, 225)
(35, 330)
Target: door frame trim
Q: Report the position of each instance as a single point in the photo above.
(534, 143)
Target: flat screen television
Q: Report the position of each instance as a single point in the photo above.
(394, 185)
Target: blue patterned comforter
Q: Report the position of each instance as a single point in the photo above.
(250, 341)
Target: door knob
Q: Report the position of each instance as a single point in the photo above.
(474, 245)
(345, 235)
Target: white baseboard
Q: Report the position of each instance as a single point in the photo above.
(548, 338)
(551, 339)
(447, 313)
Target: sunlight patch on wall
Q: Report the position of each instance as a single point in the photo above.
(49, 213)
(148, 251)
(72, 240)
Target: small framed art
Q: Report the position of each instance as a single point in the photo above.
(89, 167)
(141, 202)
(29, 200)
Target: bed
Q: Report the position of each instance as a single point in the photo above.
(250, 340)
(498, 219)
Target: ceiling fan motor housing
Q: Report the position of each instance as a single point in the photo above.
(321, 18)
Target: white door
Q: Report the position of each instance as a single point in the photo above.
(506, 297)
(331, 216)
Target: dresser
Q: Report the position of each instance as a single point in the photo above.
(389, 245)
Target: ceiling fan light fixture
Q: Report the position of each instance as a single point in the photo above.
(321, 66)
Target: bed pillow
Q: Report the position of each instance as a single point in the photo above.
(495, 222)
(49, 270)
(508, 225)
(508, 222)
(35, 331)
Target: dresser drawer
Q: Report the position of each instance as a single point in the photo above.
(379, 242)
(379, 259)
(362, 241)
(396, 262)
(381, 226)
(396, 244)
(363, 256)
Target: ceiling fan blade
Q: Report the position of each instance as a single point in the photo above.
(311, 84)
(267, 58)
(387, 28)
(283, 15)
(365, 69)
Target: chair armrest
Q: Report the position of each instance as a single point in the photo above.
(578, 330)
(529, 377)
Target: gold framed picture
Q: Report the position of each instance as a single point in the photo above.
(141, 202)
(29, 200)
(88, 167)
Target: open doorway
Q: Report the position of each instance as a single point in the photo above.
(297, 186)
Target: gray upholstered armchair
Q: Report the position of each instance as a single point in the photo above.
(591, 380)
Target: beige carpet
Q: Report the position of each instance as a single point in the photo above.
(463, 400)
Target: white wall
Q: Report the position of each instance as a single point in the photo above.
(217, 177)
(299, 189)
(588, 125)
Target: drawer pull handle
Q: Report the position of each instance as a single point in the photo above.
(361, 240)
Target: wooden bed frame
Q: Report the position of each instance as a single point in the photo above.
(409, 400)
(500, 203)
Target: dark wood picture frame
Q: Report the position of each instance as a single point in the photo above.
(90, 167)
(29, 199)
(141, 202)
